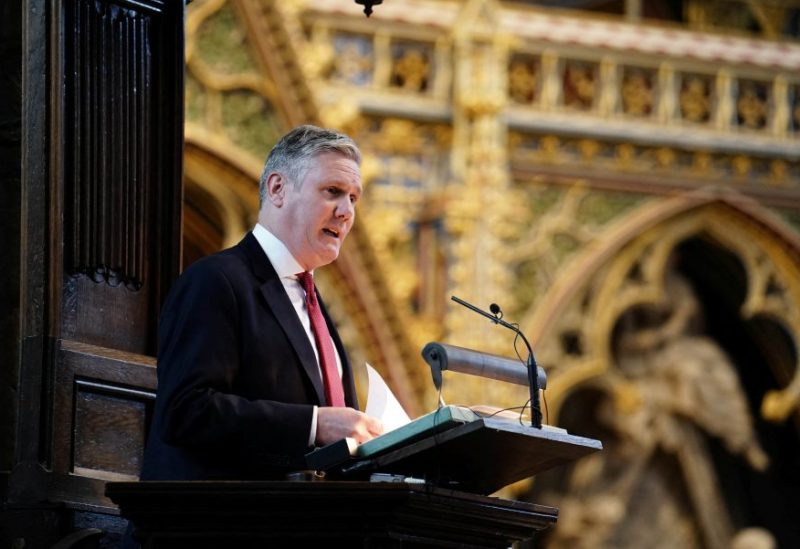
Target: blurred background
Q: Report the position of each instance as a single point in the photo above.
(621, 177)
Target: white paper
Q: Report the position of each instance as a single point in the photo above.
(382, 404)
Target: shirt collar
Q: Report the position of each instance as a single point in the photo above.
(278, 254)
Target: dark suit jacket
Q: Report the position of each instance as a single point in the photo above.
(237, 376)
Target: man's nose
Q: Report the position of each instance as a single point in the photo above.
(345, 208)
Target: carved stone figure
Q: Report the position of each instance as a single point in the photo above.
(655, 484)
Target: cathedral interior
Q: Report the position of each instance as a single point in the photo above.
(621, 177)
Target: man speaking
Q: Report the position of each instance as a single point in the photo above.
(251, 371)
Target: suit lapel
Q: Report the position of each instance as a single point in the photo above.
(275, 296)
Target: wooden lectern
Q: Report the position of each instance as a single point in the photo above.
(425, 489)
(322, 514)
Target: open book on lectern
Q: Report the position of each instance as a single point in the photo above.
(473, 450)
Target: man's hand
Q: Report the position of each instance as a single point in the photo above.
(335, 423)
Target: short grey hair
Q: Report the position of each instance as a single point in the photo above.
(292, 154)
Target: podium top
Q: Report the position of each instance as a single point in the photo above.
(479, 455)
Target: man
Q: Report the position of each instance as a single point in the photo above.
(251, 371)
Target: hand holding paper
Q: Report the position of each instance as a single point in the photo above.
(382, 404)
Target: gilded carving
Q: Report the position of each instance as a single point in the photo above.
(695, 98)
(741, 165)
(700, 166)
(522, 79)
(319, 54)
(637, 92)
(702, 163)
(665, 157)
(580, 85)
(752, 106)
(626, 156)
(411, 69)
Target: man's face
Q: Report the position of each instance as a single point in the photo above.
(319, 210)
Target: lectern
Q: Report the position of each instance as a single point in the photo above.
(420, 486)
(183, 515)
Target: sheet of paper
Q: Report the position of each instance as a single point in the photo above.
(382, 403)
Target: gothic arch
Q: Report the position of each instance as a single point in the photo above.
(220, 196)
(575, 323)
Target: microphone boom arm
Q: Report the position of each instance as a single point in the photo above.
(533, 377)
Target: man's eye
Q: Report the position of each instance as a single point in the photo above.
(334, 191)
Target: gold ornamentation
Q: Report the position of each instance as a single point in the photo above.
(411, 70)
(702, 163)
(699, 166)
(626, 154)
(318, 59)
(343, 115)
(665, 157)
(522, 81)
(751, 107)
(398, 136)
(589, 149)
(579, 85)
(637, 93)
(741, 165)
(695, 100)
(778, 172)
(550, 146)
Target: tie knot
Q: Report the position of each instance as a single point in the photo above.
(307, 281)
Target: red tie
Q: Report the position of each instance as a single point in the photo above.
(334, 393)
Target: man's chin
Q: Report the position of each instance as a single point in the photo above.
(328, 256)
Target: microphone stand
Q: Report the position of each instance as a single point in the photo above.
(533, 377)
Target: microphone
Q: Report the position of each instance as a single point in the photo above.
(496, 316)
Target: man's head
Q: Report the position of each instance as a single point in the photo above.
(308, 191)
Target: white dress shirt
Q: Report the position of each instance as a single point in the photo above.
(287, 268)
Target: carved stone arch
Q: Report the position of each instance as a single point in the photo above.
(625, 269)
(220, 195)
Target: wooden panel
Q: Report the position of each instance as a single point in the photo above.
(104, 315)
(110, 87)
(109, 431)
(122, 139)
(103, 404)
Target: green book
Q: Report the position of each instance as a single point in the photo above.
(439, 420)
(347, 449)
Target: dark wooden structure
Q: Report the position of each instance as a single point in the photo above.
(336, 514)
(91, 137)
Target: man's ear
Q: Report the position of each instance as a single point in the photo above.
(276, 189)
